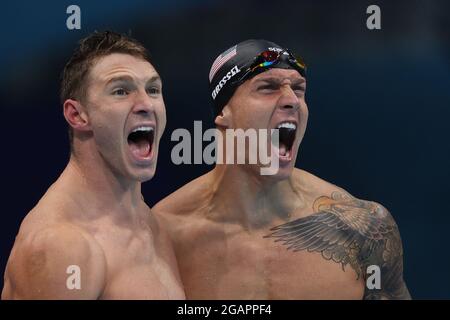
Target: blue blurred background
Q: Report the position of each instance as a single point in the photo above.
(379, 101)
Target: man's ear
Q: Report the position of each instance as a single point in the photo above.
(224, 118)
(75, 115)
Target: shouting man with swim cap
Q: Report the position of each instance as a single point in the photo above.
(92, 236)
(291, 235)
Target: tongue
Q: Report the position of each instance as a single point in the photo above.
(282, 150)
(140, 149)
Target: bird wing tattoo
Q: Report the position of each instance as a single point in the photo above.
(351, 232)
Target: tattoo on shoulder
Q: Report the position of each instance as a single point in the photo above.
(352, 232)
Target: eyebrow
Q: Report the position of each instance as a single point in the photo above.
(277, 80)
(153, 79)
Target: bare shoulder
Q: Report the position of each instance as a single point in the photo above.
(185, 200)
(326, 193)
(182, 212)
(43, 259)
(349, 231)
(313, 185)
(369, 218)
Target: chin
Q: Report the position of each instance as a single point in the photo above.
(145, 176)
(283, 173)
(142, 174)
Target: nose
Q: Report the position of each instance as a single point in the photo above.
(143, 104)
(288, 101)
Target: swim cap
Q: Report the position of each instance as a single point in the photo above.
(244, 61)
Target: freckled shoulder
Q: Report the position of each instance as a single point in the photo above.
(39, 263)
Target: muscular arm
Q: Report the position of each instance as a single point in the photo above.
(390, 260)
(351, 232)
(38, 266)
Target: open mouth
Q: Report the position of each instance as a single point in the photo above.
(140, 141)
(286, 132)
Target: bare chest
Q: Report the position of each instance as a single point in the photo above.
(139, 266)
(253, 267)
(146, 282)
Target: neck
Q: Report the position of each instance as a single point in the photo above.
(250, 199)
(98, 191)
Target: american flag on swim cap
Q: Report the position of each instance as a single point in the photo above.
(221, 60)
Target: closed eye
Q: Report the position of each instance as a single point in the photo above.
(299, 89)
(268, 87)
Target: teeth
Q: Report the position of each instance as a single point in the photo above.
(288, 125)
(145, 129)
